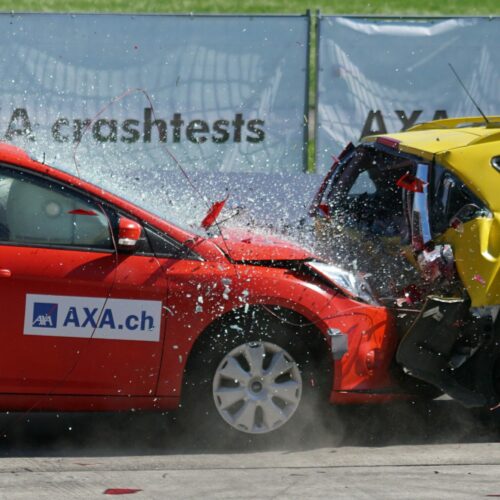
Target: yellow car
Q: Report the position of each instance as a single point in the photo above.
(418, 213)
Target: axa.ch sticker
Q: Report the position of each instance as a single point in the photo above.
(96, 317)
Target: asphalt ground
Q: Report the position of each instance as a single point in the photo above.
(436, 450)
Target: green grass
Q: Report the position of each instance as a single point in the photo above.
(388, 7)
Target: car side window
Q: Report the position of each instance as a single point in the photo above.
(449, 195)
(4, 192)
(164, 246)
(367, 196)
(363, 184)
(34, 211)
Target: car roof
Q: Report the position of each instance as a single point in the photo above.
(13, 154)
(465, 146)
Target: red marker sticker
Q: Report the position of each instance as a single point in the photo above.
(82, 211)
(212, 214)
(121, 491)
(411, 183)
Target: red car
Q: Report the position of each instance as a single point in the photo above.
(106, 306)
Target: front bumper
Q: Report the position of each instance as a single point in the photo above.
(363, 340)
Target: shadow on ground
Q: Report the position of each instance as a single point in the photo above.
(89, 434)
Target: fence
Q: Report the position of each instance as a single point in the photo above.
(228, 96)
(379, 75)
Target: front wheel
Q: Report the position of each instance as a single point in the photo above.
(257, 387)
(255, 381)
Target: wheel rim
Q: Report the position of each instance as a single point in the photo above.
(257, 387)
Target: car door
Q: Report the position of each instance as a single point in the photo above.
(79, 317)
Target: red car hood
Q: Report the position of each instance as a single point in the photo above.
(241, 245)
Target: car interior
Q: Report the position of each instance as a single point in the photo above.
(35, 213)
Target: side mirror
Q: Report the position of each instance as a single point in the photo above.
(129, 233)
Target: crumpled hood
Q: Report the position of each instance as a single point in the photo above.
(242, 245)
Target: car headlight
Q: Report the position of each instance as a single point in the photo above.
(352, 285)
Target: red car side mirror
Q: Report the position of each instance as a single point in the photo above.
(129, 233)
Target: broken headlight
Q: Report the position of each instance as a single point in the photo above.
(352, 285)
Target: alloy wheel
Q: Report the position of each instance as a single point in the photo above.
(257, 387)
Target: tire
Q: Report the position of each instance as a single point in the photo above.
(256, 378)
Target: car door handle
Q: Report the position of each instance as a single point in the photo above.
(5, 273)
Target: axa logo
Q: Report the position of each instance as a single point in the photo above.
(44, 315)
